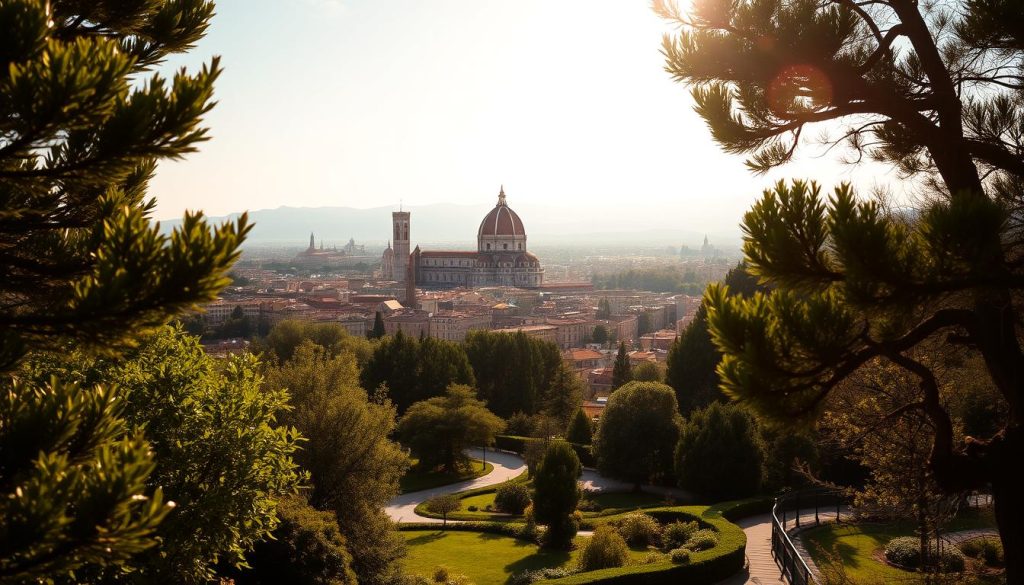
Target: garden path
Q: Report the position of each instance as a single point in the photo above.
(506, 466)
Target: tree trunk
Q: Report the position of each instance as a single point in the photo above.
(1008, 497)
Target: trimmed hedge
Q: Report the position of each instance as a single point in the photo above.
(421, 508)
(503, 528)
(705, 567)
(735, 509)
(518, 445)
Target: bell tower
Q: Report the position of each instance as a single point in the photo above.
(400, 229)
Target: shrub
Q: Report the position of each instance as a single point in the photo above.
(989, 549)
(652, 557)
(604, 550)
(473, 509)
(588, 505)
(639, 529)
(702, 539)
(905, 551)
(512, 498)
(677, 534)
(529, 530)
(951, 559)
(307, 547)
(528, 577)
(442, 576)
(680, 556)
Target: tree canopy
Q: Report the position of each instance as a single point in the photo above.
(720, 453)
(354, 466)
(285, 337)
(415, 370)
(933, 89)
(637, 434)
(439, 429)
(217, 451)
(514, 372)
(84, 120)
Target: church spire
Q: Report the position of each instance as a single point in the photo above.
(501, 196)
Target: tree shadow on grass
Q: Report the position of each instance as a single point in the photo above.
(518, 542)
(541, 559)
(426, 538)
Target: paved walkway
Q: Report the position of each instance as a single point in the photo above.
(506, 466)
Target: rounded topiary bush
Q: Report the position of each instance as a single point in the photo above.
(680, 556)
(639, 529)
(677, 534)
(904, 551)
(988, 549)
(512, 498)
(702, 539)
(952, 560)
(605, 549)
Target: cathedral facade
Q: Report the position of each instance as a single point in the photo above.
(501, 257)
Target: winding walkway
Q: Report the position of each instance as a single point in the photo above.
(506, 466)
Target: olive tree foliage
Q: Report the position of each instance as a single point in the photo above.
(83, 122)
(933, 89)
(354, 466)
(217, 450)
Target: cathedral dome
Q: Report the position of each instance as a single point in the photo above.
(501, 221)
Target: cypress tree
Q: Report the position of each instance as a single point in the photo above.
(580, 430)
(378, 330)
(621, 372)
(556, 493)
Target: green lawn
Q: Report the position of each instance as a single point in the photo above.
(414, 481)
(858, 546)
(487, 559)
(616, 502)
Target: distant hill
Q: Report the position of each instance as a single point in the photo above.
(446, 223)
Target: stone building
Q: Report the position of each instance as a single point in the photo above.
(501, 257)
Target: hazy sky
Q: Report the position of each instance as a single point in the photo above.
(365, 102)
